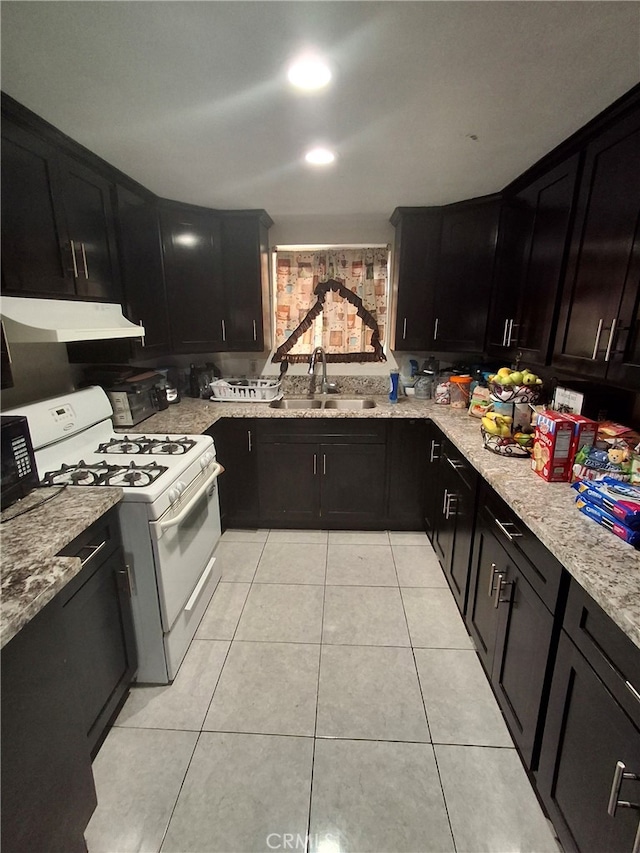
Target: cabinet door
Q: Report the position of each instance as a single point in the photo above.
(236, 449)
(417, 247)
(407, 463)
(142, 274)
(624, 366)
(603, 253)
(459, 510)
(193, 278)
(245, 263)
(467, 253)
(505, 291)
(92, 232)
(433, 450)
(289, 476)
(586, 734)
(352, 485)
(35, 259)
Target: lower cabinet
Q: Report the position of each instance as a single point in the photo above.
(237, 450)
(408, 477)
(455, 502)
(432, 451)
(513, 593)
(593, 728)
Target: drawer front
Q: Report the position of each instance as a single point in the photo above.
(614, 657)
(453, 458)
(93, 546)
(537, 564)
(322, 430)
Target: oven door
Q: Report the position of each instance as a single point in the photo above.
(183, 541)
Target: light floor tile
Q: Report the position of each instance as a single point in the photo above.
(221, 616)
(138, 774)
(434, 620)
(267, 687)
(378, 797)
(242, 793)
(369, 565)
(245, 536)
(284, 613)
(358, 537)
(370, 692)
(418, 566)
(461, 708)
(238, 560)
(183, 704)
(490, 801)
(299, 536)
(364, 616)
(286, 562)
(409, 537)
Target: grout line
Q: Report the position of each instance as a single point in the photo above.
(166, 829)
(444, 798)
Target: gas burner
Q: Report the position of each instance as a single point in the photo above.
(131, 446)
(135, 476)
(144, 444)
(169, 446)
(80, 474)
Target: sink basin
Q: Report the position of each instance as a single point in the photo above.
(355, 404)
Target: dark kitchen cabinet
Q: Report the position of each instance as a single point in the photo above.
(417, 249)
(407, 464)
(598, 325)
(432, 453)
(236, 449)
(535, 224)
(593, 722)
(98, 625)
(48, 794)
(453, 530)
(245, 269)
(191, 242)
(144, 294)
(513, 593)
(465, 275)
(322, 474)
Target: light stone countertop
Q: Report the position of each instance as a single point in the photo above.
(605, 566)
(31, 573)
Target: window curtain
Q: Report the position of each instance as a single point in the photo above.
(338, 328)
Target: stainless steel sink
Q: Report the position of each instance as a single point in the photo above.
(356, 404)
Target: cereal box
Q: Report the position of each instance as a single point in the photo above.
(584, 432)
(552, 445)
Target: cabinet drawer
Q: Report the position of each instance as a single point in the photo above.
(453, 458)
(94, 545)
(612, 655)
(537, 564)
(322, 430)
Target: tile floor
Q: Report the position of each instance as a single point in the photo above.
(331, 701)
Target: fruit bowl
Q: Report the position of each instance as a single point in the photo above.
(504, 446)
(514, 393)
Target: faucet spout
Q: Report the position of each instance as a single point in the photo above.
(318, 351)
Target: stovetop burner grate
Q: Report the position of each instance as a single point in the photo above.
(104, 474)
(147, 445)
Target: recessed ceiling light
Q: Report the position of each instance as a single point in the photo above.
(309, 72)
(320, 156)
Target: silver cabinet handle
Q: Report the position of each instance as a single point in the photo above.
(612, 335)
(249, 442)
(632, 690)
(456, 464)
(96, 550)
(435, 328)
(444, 502)
(6, 343)
(432, 455)
(596, 343)
(404, 328)
(142, 342)
(224, 331)
(619, 774)
(502, 583)
(451, 512)
(315, 464)
(492, 576)
(509, 333)
(511, 535)
(255, 331)
(126, 574)
(84, 260)
(324, 464)
(504, 333)
(73, 258)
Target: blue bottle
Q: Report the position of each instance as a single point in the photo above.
(394, 377)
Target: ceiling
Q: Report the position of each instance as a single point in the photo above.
(430, 103)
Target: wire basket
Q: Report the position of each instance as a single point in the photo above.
(514, 393)
(505, 446)
(246, 390)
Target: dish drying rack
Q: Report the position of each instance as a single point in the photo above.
(246, 390)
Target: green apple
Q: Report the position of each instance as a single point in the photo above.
(516, 378)
(529, 379)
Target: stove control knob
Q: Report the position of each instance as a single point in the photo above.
(206, 459)
(174, 494)
(180, 486)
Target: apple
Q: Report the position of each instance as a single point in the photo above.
(504, 371)
(516, 378)
(529, 379)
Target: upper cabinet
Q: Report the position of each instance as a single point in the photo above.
(535, 226)
(417, 248)
(598, 327)
(58, 227)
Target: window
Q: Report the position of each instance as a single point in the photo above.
(347, 316)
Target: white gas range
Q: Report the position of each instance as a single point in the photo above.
(169, 515)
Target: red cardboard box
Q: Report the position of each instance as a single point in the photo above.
(584, 433)
(552, 447)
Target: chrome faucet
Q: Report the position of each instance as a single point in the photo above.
(312, 370)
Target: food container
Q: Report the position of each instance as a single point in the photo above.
(443, 393)
(459, 391)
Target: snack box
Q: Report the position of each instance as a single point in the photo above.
(551, 455)
(609, 458)
(609, 521)
(584, 432)
(618, 499)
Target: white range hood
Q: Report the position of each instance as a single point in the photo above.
(58, 320)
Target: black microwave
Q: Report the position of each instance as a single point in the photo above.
(19, 472)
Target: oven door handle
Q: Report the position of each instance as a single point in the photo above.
(161, 526)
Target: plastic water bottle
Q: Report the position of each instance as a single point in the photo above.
(394, 377)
